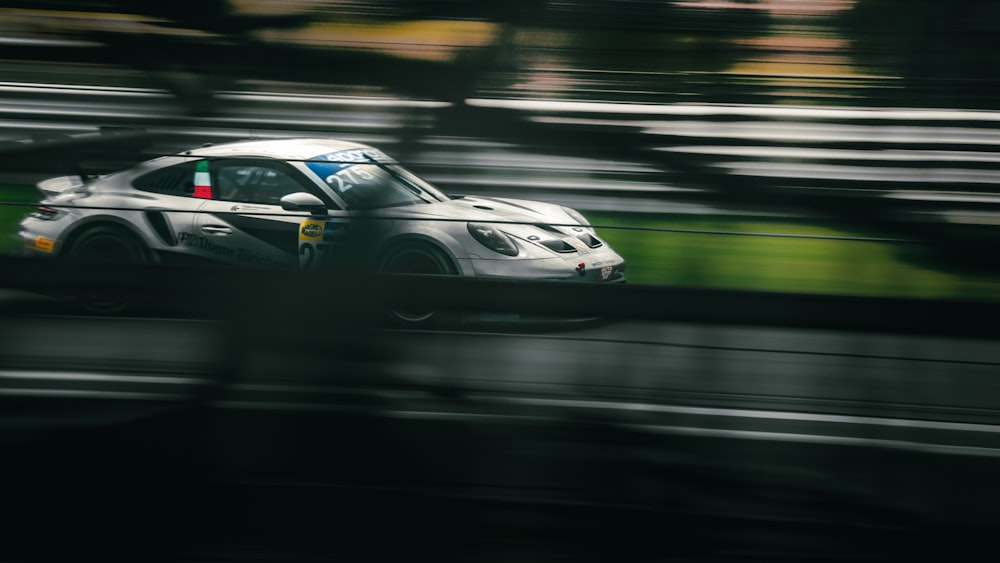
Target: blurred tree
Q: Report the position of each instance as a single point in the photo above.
(946, 52)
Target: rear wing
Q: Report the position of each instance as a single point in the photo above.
(83, 155)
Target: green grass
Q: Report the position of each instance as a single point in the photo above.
(11, 213)
(809, 265)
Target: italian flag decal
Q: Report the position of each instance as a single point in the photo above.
(202, 181)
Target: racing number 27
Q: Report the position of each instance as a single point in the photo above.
(313, 255)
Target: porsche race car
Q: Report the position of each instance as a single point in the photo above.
(307, 202)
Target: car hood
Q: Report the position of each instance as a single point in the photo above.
(484, 210)
(522, 218)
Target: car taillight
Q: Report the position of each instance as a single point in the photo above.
(45, 213)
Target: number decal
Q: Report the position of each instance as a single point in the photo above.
(341, 186)
(314, 249)
(306, 254)
(350, 176)
(324, 254)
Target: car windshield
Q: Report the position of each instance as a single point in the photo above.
(374, 186)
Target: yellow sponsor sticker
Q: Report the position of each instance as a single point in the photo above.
(42, 243)
(311, 230)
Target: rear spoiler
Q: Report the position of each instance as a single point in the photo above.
(73, 154)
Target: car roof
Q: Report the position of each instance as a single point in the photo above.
(288, 149)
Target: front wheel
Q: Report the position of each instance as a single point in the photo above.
(416, 258)
(103, 246)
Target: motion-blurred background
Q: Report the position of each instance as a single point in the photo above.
(801, 367)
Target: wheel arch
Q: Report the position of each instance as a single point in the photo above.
(385, 248)
(81, 227)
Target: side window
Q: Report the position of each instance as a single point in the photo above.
(174, 180)
(254, 182)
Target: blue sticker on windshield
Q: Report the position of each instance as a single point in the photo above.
(326, 166)
(326, 169)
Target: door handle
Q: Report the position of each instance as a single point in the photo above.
(245, 208)
(217, 231)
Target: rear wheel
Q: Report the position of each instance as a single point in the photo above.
(416, 258)
(103, 246)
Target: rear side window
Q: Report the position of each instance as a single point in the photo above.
(174, 180)
(254, 181)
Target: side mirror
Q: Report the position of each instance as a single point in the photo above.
(303, 201)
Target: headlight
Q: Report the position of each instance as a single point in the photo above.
(491, 237)
(576, 216)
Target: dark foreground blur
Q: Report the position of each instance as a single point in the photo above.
(298, 429)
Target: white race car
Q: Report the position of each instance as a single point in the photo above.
(309, 203)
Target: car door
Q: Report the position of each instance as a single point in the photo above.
(242, 222)
(171, 209)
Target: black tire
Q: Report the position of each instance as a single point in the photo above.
(417, 258)
(106, 245)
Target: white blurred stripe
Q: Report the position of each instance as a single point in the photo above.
(91, 394)
(26, 375)
(271, 97)
(907, 445)
(860, 173)
(737, 110)
(945, 197)
(838, 154)
(789, 416)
